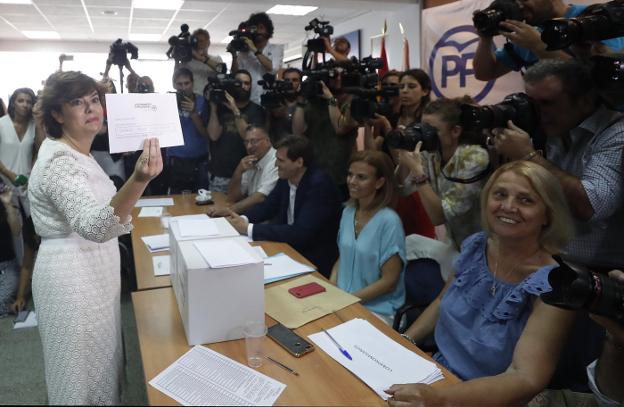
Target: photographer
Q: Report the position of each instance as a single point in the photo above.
(584, 143)
(186, 164)
(281, 117)
(526, 45)
(260, 56)
(226, 130)
(203, 65)
(340, 50)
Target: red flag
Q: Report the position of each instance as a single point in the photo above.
(406, 58)
(384, 69)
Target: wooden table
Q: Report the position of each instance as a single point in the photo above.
(184, 205)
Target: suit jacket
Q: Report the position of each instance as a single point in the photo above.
(316, 218)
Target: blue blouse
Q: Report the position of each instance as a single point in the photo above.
(361, 259)
(477, 332)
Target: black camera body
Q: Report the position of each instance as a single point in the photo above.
(238, 43)
(596, 23)
(487, 21)
(217, 86)
(608, 72)
(594, 292)
(180, 95)
(323, 30)
(276, 91)
(311, 87)
(407, 138)
(360, 79)
(181, 47)
(517, 107)
(119, 50)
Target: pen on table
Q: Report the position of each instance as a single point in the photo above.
(283, 366)
(342, 350)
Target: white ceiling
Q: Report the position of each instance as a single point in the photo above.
(90, 20)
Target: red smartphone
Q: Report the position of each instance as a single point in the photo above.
(306, 290)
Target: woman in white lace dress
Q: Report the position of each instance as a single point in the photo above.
(78, 214)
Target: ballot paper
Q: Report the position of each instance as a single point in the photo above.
(161, 265)
(154, 202)
(156, 243)
(377, 360)
(203, 377)
(202, 227)
(282, 266)
(151, 212)
(133, 117)
(30, 322)
(224, 253)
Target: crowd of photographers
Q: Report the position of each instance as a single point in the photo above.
(251, 132)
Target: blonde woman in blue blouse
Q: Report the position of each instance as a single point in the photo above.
(371, 240)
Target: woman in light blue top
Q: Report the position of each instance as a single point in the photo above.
(491, 327)
(371, 238)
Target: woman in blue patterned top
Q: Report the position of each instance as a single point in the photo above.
(491, 327)
(371, 239)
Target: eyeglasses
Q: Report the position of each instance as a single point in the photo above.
(253, 141)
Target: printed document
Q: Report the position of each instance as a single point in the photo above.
(378, 361)
(156, 243)
(133, 117)
(161, 265)
(203, 377)
(151, 212)
(224, 253)
(282, 266)
(154, 202)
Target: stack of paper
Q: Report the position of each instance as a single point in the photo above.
(154, 202)
(156, 243)
(224, 253)
(282, 266)
(377, 360)
(203, 377)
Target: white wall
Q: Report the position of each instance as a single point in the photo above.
(371, 24)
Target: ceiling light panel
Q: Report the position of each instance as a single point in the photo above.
(157, 4)
(15, 1)
(291, 10)
(42, 35)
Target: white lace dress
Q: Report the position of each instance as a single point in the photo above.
(76, 283)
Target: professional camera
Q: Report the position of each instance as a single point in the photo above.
(238, 43)
(487, 21)
(311, 87)
(143, 87)
(408, 137)
(276, 90)
(608, 72)
(323, 30)
(217, 86)
(517, 107)
(587, 290)
(181, 47)
(596, 23)
(118, 54)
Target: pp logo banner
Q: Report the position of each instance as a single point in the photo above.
(451, 65)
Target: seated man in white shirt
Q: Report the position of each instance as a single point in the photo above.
(254, 177)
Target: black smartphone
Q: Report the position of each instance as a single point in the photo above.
(287, 339)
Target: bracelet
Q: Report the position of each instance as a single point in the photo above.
(413, 342)
(532, 154)
(333, 101)
(421, 180)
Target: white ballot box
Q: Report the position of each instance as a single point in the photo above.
(219, 287)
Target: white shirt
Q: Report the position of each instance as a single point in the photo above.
(290, 213)
(201, 72)
(262, 177)
(249, 61)
(16, 155)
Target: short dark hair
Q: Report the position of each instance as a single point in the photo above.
(342, 39)
(392, 72)
(295, 70)
(201, 31)
(243, 71)
(252, 126)
(575, 77)
(182, 71)
(264, 19)
(62, 87)
(297, 147)
(26, 91)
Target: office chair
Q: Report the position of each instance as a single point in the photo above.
(127, 261)
(423, 283)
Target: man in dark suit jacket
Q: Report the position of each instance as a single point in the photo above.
(303, 208)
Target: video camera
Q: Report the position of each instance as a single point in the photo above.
(517, 107)
(598, 22)
(181, 47)
(118, 54)
(238, 43)
(276, 91)
(408, 137)
(594, 292)
(323, 30)
(487, 21)
(217, 86)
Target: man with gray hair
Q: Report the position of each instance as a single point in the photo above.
(584, 144)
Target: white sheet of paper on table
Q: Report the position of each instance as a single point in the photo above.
(154, 202)
(133, 117)
(201, 227)
(282, 266)
(224, 253)
(151, 212)
(378, 360)
(203, 377)
(156, 242)
(161, 265)
(30, 322)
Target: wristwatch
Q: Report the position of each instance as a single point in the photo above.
(332, 101)
(258, 52)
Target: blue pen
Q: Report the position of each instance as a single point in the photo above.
(342, 350)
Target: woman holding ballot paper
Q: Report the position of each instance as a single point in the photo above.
(491, 327)
(76, 279)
